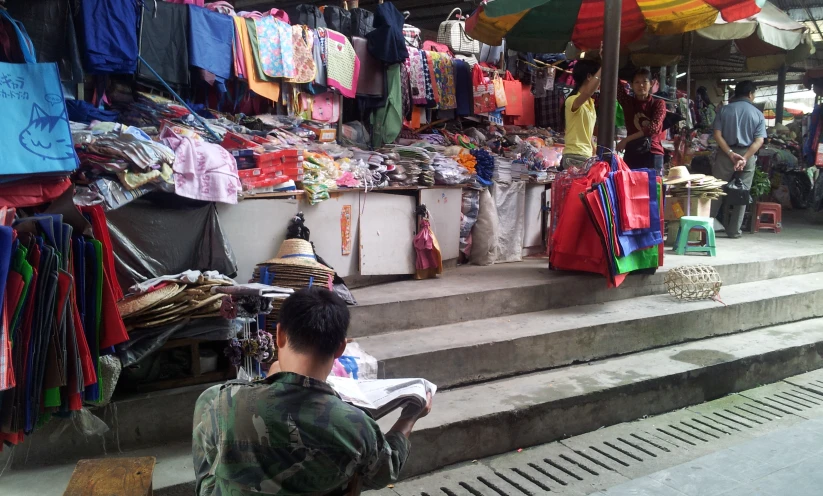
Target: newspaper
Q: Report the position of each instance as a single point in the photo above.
(382, 396)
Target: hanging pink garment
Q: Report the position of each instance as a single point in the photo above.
(343, 66)
(199, 3)
(202, 170)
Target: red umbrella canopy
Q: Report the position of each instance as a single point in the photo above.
(548, 25)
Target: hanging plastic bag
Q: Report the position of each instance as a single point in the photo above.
(483, 92)
(514, 94)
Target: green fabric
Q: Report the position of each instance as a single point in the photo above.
(640, 259)
(51, 398)
(387, 121)
(547, 28)
(255, 47)
(98, 286)
(22, 267)
(288, 434)
(619, 118)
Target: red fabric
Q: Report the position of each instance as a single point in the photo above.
(101, 234)
(633, 189)
(646, 116)
(112, 330)
(734, 10)
(89, 373)
(28, 194)
(424, 248)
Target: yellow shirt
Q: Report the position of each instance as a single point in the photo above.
(579, 127)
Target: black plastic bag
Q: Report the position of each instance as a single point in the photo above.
(309, 15)
(736, 192)
(337, 19)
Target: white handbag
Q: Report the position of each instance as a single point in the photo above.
(453, 34)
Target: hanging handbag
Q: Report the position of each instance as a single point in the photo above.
(514, 94)
(736, 192)
(411, 33)
(483, 92)
(337, 19)
(453, 34)
(499, 91)
(34, 132)
(433, 46)
(362, 22)
(308, 15)
(640, 146)
(326, 107)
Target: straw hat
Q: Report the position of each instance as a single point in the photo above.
(681, 174)
(134, 304)
(297, 253)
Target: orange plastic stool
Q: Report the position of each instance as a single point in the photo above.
(772, 210)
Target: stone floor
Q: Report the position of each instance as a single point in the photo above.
(784, 463)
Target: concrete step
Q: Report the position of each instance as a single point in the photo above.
(470, 293)
(504, 415)
(469, 352)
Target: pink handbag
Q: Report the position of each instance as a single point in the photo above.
(433, 46)
(326, 107)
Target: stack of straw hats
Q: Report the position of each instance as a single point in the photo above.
(683, 183)
(170, 303)
(294, 267)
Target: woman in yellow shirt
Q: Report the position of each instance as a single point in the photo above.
(581, 114)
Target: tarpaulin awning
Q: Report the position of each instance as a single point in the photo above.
(548, 25)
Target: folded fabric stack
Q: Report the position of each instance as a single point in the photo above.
(58, 315)
(171, 302)
(294, 267)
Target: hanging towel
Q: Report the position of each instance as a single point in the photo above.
(304, 67)
(110, 33)
(387, 121)
(417, 79)
(444, 77)
(164, 43)
(263, 88)
(211, 37)
(275, 47)
(343, 67)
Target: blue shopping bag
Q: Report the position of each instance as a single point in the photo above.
(35, 136)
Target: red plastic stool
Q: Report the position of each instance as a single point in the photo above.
(773, 210)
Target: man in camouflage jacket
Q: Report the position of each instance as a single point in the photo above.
(291, 434)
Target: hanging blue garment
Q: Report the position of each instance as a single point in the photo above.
(211, 39)
(809, 149)
(463, 87)
(386, 42)
(110, 35)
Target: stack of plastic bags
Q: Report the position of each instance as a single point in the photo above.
(609, 221)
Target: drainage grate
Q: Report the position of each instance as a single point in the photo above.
(601, 459)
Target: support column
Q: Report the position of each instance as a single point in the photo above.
(781, 95)
(663, 83)
(673, 79)
(608, 85)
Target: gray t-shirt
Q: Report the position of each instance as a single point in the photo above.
(740, 122)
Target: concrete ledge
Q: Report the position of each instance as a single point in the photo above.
(505, 415)
(475, 351)
(474, 293)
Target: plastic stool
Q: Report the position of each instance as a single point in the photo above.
(771, 209)
(682, 246)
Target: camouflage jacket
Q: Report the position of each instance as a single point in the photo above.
(288, 435)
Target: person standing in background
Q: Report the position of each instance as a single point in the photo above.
(581, 115)
(739, 130)
(644, 123)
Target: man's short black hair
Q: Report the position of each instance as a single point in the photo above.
(643, 72)
(315, 320)
(744, 88)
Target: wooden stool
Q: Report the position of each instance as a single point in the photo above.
(112, 476)
(775, 210)
(682, 246)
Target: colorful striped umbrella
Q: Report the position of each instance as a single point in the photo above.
(548, 25)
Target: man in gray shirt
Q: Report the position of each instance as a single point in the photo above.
(739, 130)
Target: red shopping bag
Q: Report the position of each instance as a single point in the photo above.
(484, 100)
(526, 116)
(514, 95)
(633, 199)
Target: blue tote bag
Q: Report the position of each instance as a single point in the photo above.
(34, 133)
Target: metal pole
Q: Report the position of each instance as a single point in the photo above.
(689, 70)
(608, 86)
(781, 95)
(662, 78)
(673, 79)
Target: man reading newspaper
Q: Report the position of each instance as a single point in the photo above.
(292, 434)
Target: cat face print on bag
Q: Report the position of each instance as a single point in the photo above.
(39, 136)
